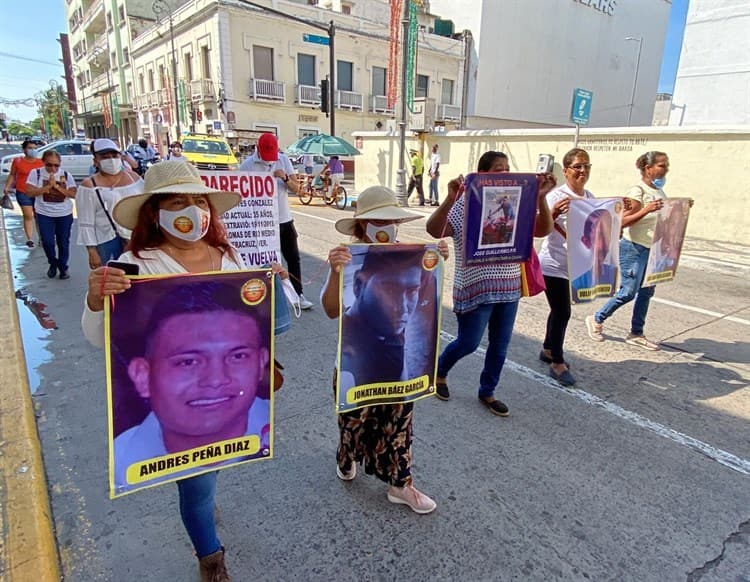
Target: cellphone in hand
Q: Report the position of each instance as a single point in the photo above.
(129, 268)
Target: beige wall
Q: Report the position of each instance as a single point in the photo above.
(710, 165)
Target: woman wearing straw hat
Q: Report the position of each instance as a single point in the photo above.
(173, 191)
(379, 436)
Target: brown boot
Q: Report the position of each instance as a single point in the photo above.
(213, 569)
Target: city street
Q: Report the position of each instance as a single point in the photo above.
(641, 473)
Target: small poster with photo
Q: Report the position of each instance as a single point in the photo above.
(669, 235)
(188, 376)
(499, 217)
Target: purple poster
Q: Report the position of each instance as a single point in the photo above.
(188, 371)
(499, 217)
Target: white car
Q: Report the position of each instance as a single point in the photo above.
(318, 163)
(75, 157)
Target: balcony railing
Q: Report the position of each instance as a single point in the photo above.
(349, 100)
(98, 50)
(165, 97)
(308, 95)
(99, 83)
(266, 90)
(153, 98)
(202, 90)
(380, 105)
(445, 112)
(96, 9)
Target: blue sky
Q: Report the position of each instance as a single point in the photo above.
(33, 34)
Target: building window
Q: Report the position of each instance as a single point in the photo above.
(162, 77)
(379, 80)
(446, 93)
(206, 62)
(346, 9)
(113, 59)
(121, 12)
(126, 55)
(150, 80)
(263, 63)
(304, 132)
(128, 92)
(306, 69)
(141, 84)
(423, 82)
(344, 81)
(188, 66)
(109, 21)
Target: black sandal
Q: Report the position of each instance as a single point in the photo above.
(496, 407)
(441, 391)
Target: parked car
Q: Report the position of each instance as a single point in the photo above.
(208, 152)
(75, 157)
(318, 163)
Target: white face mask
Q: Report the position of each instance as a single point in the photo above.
(110, 166)
(291, 296)
(189, 224)
(381, 234)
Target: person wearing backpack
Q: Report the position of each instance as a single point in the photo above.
(53, 190)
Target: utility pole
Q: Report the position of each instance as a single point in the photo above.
(401, 175)
(158, 7)
(639, 40)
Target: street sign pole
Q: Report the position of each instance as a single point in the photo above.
(578, 132)
(581, 111)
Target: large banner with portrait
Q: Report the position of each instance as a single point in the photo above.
(594, 226)
(252, 225)
(188, 376)
(669, 234)
(389, 325)
(499, 215)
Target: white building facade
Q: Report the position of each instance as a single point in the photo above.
(713, 77)
(530, 55)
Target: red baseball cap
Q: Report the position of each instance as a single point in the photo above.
(268, 147)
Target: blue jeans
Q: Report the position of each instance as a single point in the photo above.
(111, 250)
(499, 317)
(55, 234)
(633, 261)
(434, 188)
(197, 510)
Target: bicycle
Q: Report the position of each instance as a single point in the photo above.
(310, 190)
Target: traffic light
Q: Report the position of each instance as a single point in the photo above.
(199, 115)
(324, 94)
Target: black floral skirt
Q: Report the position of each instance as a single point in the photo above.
(378, 437)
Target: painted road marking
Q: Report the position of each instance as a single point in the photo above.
(701, 310)
(720, 456)
(714, 261)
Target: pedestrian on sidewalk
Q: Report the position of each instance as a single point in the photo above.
(103, 238)
(158, 248)
(484, 296)
(53, 190)
(434, 175)
(380, 436)
(417, 173)
(19, 172)
(553, 257)
(268, 158)
(638, 221)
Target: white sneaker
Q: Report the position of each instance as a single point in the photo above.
(349, 475)
(413, 497)
(304, 303)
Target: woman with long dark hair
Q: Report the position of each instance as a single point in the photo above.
(484, 296)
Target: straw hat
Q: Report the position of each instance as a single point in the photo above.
(376, 203)
(171, 177)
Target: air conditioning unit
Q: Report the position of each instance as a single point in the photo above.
(422, 119)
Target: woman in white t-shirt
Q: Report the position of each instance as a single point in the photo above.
(54, 190)
(553, 257)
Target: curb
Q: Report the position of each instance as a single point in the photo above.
(28, 550)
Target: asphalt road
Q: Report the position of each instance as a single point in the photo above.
(643, 473)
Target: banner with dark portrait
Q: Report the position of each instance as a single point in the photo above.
(389, 325)
(188, 376)
(669, 234)
(499, 216)
(594, 226)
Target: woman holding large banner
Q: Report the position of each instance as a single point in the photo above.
(484, 295)
(553, 257)
(639, 221)
(377, 436)
(176, 229)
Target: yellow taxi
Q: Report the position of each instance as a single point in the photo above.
(208, 152)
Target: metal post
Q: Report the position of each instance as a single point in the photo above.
(332, 76)
(578, 131)
(401, 176)
(639, 40)
(174, 77)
